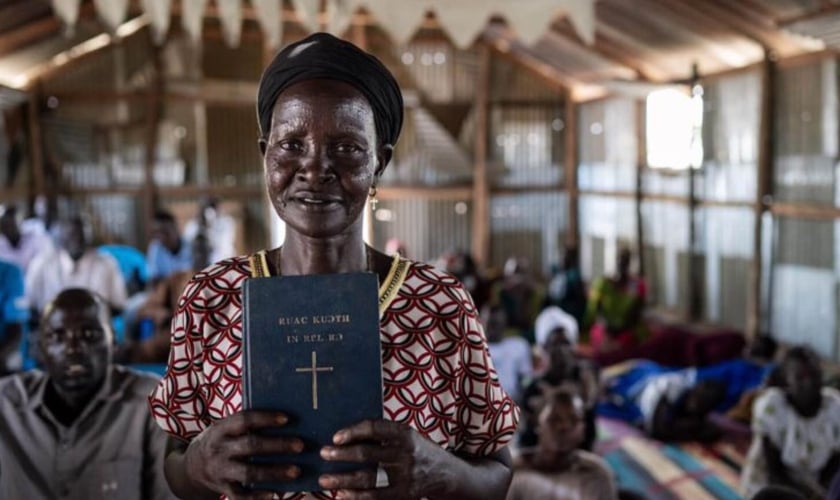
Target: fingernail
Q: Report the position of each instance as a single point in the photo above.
(282, 419)
(326, 481)
(297, 446)
(327, 452)
(339, 437)
(294, 471)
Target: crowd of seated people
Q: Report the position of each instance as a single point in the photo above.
(588, 350)
(38, 260)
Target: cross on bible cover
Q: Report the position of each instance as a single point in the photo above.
(312, 350)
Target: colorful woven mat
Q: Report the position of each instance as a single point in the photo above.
(660, 471)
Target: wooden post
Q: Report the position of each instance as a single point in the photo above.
(155, 111)
(763, 190)
(570, 176)
(481, 190)
(36, 144)
(641, 162)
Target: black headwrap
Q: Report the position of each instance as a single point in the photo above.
(323, 56)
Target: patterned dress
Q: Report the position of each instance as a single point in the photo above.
(437, 373)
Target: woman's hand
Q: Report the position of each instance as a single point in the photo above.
(415, 466)
(218, 458)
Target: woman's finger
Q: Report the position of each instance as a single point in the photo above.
(249, 445)
(357, 480)
(242, 473)
(370, 453)
(251, 420)
(371, 430)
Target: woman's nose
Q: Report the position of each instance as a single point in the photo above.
(316, 166)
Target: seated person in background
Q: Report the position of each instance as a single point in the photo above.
(75, 264)
(564, 370)
(669, 404)
(14, 315)
(18, 245)
(160, 306)
(614, 311)
(218, 227)
(463, 266)
(557, 469)
(796, 430)
(761, 351)
(80, 429)
(566, 289)
(168, 252)
(132, 264)
(553, 317)
(511, 354)
(521, 296)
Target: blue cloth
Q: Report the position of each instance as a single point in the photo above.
(738, 375)
(13, 305)
(132, 261)
(624, 390)
(161, 263)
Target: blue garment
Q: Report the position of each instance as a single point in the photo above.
(13, 305)
(161, 263)
(624, 391)
(738, 375)
(132, 262)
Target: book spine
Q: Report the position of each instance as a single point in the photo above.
(246, 380)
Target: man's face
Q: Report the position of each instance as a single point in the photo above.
(9, 225)
(166, 232)
(75, 346)
(72, 238)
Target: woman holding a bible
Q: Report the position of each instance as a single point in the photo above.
(330, 115)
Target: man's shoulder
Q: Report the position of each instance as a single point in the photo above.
(135, 384)
(18, 388)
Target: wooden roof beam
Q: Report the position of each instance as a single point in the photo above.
(28, 33)
(515, 52)
(736, 17)
(611, 50)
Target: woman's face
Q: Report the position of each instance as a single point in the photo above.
(321, 157)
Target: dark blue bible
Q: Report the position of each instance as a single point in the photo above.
(312, 350)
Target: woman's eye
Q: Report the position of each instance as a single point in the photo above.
(347, 148)
(291, 145)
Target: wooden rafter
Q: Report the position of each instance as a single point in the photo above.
(28, 33)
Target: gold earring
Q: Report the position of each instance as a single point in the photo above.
(372, 196)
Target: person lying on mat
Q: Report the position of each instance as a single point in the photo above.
(669, 404)
(796, 430)
(557, 469)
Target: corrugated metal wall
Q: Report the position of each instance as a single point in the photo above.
(805, 272)
(531, 226)
(427, 228)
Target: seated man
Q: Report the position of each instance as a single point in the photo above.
(557, 469)
(80, 429)
(511, 353)
(157, 311)
(168, 252)
(17, 245)
(75, 263)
